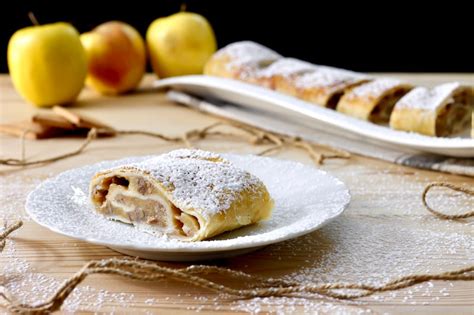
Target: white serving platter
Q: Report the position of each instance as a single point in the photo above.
(305, 199)
(265, 100)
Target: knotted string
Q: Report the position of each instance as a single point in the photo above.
(441, 215)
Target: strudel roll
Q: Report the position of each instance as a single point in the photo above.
(323, 87)
(240, 60)
(189, 195)
(441, 111)
(282, 72)
(374, 100)
(254, 63)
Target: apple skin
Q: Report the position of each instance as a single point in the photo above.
(116, 57)
(47, 63)
(180, 44)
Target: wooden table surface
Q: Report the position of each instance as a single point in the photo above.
(384, 233)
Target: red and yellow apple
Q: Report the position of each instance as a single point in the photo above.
(180, 44)
(47, 63)
(116, 57)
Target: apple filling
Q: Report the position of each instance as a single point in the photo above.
(323, 96)
(382, 111)
(338, 89)
(334, 99)
(137, 201)
(455, 116)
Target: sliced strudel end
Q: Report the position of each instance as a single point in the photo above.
(374, 100)
(440, 111)
(240, 60)
(189, 195)
(323, 87)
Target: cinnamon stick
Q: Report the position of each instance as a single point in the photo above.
(53, 120)
(80, 120)
(30, 130)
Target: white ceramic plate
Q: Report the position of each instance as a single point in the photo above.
(305, 199)
(255, 97)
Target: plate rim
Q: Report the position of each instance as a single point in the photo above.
(419, 142)
(184, 249)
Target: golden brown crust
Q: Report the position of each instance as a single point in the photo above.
(373, 101)
(169, 195)
(442, 111)
(282, 70)
(336, 88)
(253, 63)
(241, 60)
(323, 86)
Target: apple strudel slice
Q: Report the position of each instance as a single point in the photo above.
(240, 60)
(373, 101)
(190, 195)
(441, 111)
(323, 87)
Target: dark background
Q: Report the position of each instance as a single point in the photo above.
(362, 36)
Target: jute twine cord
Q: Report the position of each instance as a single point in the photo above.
(149, 271)
(250, 134)
(7, 229)
(441, 215)
(91, 135)
(195, 275)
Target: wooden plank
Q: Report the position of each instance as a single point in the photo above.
(385, 219)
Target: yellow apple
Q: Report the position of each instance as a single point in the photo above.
(180, 44)
(47, 63)
(116, 57)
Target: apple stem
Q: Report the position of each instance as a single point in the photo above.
(33, 19)
(183, 7)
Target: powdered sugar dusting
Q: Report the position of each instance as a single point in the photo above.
(374, 89)
(428, 99)
(28, 285)
(328, 77)
(197, 182)
(193, 154)
(286, 67)
(15, 188)
(247, 53)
